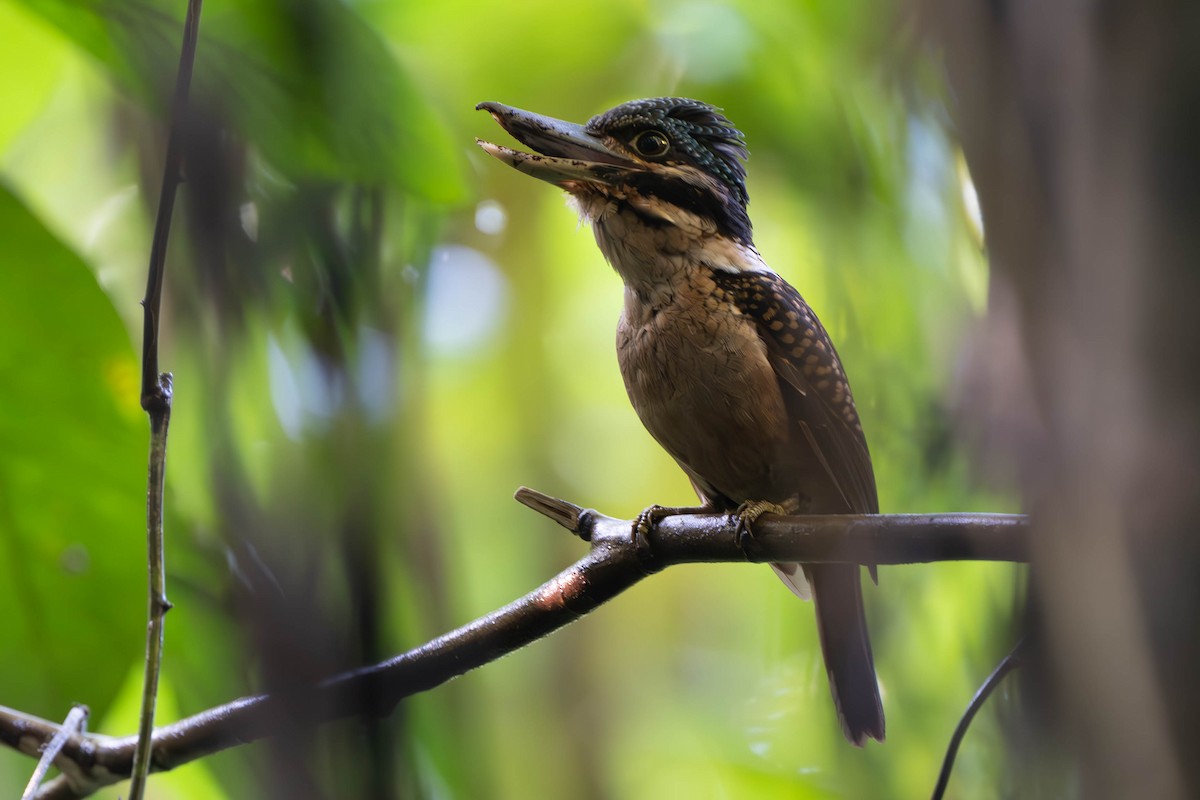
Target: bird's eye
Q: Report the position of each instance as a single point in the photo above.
(651, 143)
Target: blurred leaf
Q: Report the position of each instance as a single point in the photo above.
(35, 55)
(194, 781)
(72, 562)
(308, 82)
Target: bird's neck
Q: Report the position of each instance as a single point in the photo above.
(656, 247)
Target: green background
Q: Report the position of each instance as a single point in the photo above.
(381, 333)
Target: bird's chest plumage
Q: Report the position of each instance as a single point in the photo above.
(697, 373)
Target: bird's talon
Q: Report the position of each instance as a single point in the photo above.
(742, 533)
(642, 526)
(747, 514)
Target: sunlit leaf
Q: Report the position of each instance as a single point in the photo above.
(33, 52)
(194, 781)
(309, 83)
(72, 479)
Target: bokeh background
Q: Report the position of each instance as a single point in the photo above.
(377, 333)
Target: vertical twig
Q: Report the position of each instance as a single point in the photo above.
(1007, 665)
(75, 722)
(156, 400)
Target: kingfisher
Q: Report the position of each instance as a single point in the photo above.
(725, 363)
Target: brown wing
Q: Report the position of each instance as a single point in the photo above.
(812, 380)
(818, 398)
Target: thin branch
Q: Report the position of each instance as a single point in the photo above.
(172, 176)
(75, 722)
(156, 400)
(1007, 665)
(613, 564)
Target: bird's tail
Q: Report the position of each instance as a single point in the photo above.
(842, 626)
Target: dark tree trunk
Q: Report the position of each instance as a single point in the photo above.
(1081, 124)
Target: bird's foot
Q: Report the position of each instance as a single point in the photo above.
(645, 522)
(649, 519)
(748, 513)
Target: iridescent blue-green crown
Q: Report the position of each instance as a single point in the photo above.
(699, 133)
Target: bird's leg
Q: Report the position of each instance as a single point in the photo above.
(652, 515)
(749, 512)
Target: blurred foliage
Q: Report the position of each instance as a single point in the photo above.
(377, 333)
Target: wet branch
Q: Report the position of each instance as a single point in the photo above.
(613, 564)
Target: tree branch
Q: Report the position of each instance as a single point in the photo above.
(156, 400)
(75, 722)
(1006, 665)
(613, 564)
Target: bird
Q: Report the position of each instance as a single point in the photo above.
(724, 362)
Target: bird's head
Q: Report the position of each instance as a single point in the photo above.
(667, 153)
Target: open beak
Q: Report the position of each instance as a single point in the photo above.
(565, 152)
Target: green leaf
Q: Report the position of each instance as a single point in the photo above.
(309, 84)
(35, 53)
(72, 477)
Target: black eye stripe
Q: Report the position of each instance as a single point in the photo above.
(728, 214)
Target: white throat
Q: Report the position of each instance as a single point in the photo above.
(653, 244)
